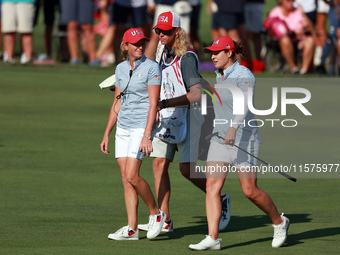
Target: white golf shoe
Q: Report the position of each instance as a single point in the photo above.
(167, 227)
(125, 233)
(280, 232)
(225, 217)
(155, 224)
(207, 244)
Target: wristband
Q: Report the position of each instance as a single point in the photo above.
(164, 104)
(147, 137)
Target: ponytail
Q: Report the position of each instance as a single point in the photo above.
(239, 49)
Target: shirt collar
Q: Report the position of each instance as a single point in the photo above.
(227, 71)
(169, 52)
(137, 62)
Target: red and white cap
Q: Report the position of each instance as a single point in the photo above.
(167, 21)
(134, 35)
(221, 43)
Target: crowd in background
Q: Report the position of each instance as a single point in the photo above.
(296, 26)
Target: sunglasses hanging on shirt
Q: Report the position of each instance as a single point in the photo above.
(123, 92)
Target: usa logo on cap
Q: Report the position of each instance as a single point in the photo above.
(167, 21)
(163, 19)
(133, 35)
(221, 43)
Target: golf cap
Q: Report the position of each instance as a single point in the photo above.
(134, 35)
(221, 43)
(167, 21)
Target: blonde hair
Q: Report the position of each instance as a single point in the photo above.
(181, 43)
(124, 52)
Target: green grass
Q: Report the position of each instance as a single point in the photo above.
(60, 195)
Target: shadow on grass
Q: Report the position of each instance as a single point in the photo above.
(293, 239)
(238, 223)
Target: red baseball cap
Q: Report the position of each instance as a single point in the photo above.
(167, 21)
(221, 43)
(133, 35)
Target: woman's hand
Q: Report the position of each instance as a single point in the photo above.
(146, 146)
(159, 106)
(229, 137)
(104, 145)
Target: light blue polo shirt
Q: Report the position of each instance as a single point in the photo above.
(242, 78)
(135, 102)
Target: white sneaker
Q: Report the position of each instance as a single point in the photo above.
(207, 244)
(124, 233)
(280, 232)
(167, 227)
(24, 60)
(225, 217)
(155, 224)
(7, 60)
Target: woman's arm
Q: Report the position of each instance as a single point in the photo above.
(244, 84)
(193, 96)
(146, 144)
(115, 108)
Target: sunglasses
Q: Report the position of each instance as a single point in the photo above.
(164, 32)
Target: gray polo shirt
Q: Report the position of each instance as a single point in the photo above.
(135, 102)
(242, 78)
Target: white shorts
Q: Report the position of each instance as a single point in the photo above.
(219, 152)
(253, 16)
(128, 143)
(322, 7)
(185, 19)
(17, 17)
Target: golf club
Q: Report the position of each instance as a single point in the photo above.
(208, 137)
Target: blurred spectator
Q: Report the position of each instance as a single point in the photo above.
(124, 12)
(106, 29)
(182, 8)
(212, 10)
(332, 41)
(194, 25)
(308, 7)
(49, 7)
(231, 22)
(299, 27)
(75, 13)
(150, 16)
(17, 17)
(321, 31)
(337, 8)
(0, 32)
(253, 11)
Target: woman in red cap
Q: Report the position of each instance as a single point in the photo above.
(134, 111)
(232, 78)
